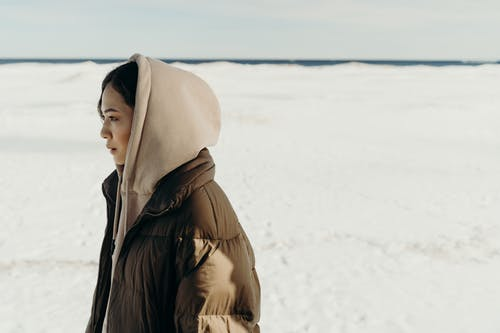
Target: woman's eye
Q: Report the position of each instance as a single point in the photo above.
(113, 118)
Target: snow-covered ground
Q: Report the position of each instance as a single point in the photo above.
(371, 194)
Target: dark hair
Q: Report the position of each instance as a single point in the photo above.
(124, 80)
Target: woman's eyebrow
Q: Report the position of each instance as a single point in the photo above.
(110, 110)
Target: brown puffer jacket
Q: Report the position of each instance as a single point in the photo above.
(186, 264)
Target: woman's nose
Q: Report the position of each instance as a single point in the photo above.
(104, 132)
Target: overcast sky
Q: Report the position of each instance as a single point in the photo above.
(289, 29)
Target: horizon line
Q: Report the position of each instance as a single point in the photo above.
(261, 59)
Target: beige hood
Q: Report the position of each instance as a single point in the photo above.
(176, 114)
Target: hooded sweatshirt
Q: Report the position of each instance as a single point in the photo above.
(176, 114)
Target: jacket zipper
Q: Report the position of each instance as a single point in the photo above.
(130, 232)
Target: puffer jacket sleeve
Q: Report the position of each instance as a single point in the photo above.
(218, 287)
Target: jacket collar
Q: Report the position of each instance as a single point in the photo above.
(173, 188)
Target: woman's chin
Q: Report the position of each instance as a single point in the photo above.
(119, 161)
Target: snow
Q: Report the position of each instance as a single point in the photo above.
(371, 194)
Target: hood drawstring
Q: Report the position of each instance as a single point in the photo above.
(114, 255)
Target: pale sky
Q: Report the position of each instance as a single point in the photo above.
(284, 29)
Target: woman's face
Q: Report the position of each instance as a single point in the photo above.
(117, 123)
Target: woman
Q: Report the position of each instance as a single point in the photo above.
(174, 257)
